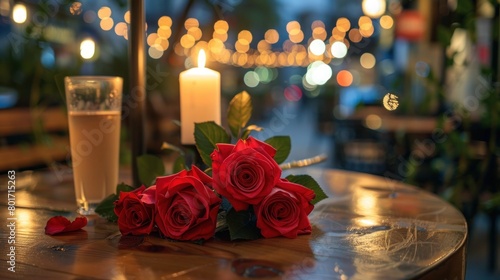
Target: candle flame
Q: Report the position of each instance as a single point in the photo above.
(201, 59)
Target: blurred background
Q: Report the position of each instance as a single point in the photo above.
(405, 89)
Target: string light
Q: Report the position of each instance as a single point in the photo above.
(323, 47)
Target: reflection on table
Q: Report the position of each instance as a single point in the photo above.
(369, 228)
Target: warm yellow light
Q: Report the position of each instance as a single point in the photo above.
(19, 13)
(221, 27)
(272, 36)
(104, 12)
(107, 24)
(373, 8)
(245, 37)
(319, 33)
(164, 31)
(367, 60)
(355, 35)
(390, 102)
(292, 25)
(191, 22)
(337, 34)
(187, 41)
(151, 39)
(373, 121)
(202, 57)
(386, 22)
(121, 29)
(165, 21)
(126, 16)
(87, 48)
(343, 24)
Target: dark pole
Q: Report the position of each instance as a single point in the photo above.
(137, 83)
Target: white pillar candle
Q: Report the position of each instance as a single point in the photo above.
(200, 98)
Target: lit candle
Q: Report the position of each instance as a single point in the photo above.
(200, 98)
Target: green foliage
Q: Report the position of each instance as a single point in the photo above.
(106, 208)
(149, 167)
(179, 164)
(308, 182)
(206, 135)
(283, 146)
(242, 225)
(239, 112)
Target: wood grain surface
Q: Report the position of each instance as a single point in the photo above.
(369, 228)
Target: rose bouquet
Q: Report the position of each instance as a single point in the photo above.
(241, 195)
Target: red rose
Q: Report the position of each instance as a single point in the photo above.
(135, 211)
(244, 173)
(284, 211)
(186, 205)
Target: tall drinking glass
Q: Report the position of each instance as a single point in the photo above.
(94, 114)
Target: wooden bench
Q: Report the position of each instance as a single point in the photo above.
(53, 145)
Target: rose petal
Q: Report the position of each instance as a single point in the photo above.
(60, 224)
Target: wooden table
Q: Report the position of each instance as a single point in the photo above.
(369, 228)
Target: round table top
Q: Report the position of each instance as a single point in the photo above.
(369, 228)
(377, 228)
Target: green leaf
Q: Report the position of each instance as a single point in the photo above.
(106, 208)
(250, 128)
(206, 135)
(179, 164)
(149, 167)
(239, 112)
(308, 182)
(122, 187)
(283, 145)
(242, 225)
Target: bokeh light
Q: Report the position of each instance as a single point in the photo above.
(292, 93)
(75, 8)
(19, 13)
(390, 102)
(272, 36)
(107, 24)
(373, 121)
(155, 51)
(367, 60)
(344, 78)
(87, 48)
(386, 22)
(165, 21)
(339, 49)
(343, 24)
(373, 8)
(121, 29)
(251, 79)
(104, 12)
(221, 27)
(355, 36)
(317, 47)
(318, 73)
(191, 22)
